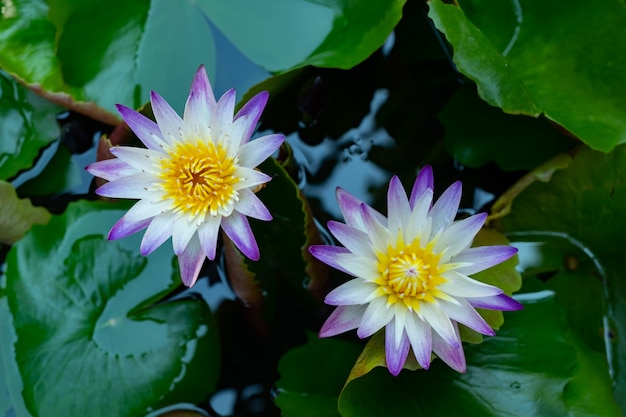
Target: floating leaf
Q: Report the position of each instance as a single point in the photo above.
(477, 133)
(86, 326)
(17, 215)
(88, 56)
(27, 124)
(584, 201)
(312, 377)
(332, 33)
(534, 57)
(514, 373)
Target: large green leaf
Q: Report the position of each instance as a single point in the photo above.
(584, 201)
(285, 34)
(91, 55)
(536, 56)
(27, 124)
(312, 377)
(477, 133)
(86, 326)
(523, 371)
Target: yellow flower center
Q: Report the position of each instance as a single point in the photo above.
(199, 178)
(410, 273)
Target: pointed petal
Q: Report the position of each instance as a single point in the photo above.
(350, 209)
(500, 302)
(190, 262)
(395, 353)
(184, 229)
(423, 182)
(207, 233)
(159, 231)
(397, 206)
(342, 319)
(146, 130)
(355, 291)
(459, 285)
(483, 257)
(223, 117)
(250, 205)
(420, 336)
(145, 160)
(459, 235)
(200, 106)
(375, 317)
(254, 152)
(453, 356)
(144, 209)
(419, 224)
(353, 239)
(378, 234)
(465, 314)
(169, 122)
(238, 229)
(111, 169)
(134, 186)
(440, 322)
(253, 109)
(331, 255)
(445, 209)
(250, 178)
(125, 228)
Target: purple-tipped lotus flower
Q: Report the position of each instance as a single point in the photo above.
(195, 175)
(411, 273)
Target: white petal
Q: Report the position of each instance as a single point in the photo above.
(353, 239)
(355, 291)
(465, 314)
(190, 262)
(253, 109)
(459, 285)
(184, 228)
(376, 316)
(379, 235)
(419, 224)
(396, 352)
(207, 233)
(451, 354)
(459, 236)
(143, 159)
(445, 209)
(420, 336)
(343, 319)
(223, 117)
(250, 178)
(483, 257)
(254, 152)
(238, 229)
(158, 232)
(423, 183)
(111, 169)
(397, 206)
(169, 122)
(250, 205)
(134, 186)
(439, 321)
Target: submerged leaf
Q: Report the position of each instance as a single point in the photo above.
(17, 215)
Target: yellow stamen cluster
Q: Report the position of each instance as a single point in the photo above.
(199, 178)
(410, 273)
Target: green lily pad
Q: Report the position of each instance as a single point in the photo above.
(286, 34)
(312, 377)
(535, 56)
(87, 327)
(17, 215)
(27, 124)
(583, 201)
(477, 133)
(522, 371)
(88, 56)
